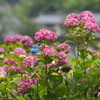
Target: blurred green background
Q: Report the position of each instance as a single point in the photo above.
(18, 16)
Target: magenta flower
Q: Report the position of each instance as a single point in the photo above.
(49, 51)
(71, 22)
(3, 71)
(19, 51)
(73, 15)
(18, 38)
(61, 55)
(28, 41)
(64, 47)
(8, 39)
(24, 87)
(34, 80)
(16, 69)
(92, 27)
(87, 20)
(2, 49)
(45, 34)
(86, 14)
(10, 61)
(30, 60)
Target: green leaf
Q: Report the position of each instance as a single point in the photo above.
(57, 84)
(21, 98)
(1, 86)
(66, 69)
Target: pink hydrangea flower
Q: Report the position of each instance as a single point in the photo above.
(61, 55)
(24, 87)
(49, 51)
(18, 38)
(94, 52)
(3, 71)
(10, 61)
(87, 20)
(86, 14)
(71, 22)
(30, 60)
(8, 39)
(64, 47)
(92, 27)
(61, 62)
(34, 80)
(19, 51)
(2, 49)
(28, 41)
(73, 15)
(16, 69)
(13, 90)
(45, 34)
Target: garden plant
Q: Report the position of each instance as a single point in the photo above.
(44, 71)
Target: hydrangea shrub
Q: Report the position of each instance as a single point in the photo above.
(44, 71)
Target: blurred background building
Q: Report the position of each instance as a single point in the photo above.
(28, 16)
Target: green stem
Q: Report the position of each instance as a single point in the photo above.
(37, 91)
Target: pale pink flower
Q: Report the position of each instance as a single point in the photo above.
(73, 15)
(61, 62)
(71, 22)
(8, 39)
(61, 55)
(88, 69)
(10, 61)
(13, 90)
(2, 49)
(86, 14)
(3, 71)
(49, 51)
(64, 47)
(98, 93)
(94, 52)
(45, 34)
(30, 60)
(49, 65)
(19, 51)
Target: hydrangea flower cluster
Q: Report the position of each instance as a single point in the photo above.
(61, 55)
(85, 17)
(19, 51)
(2, 49)
(61, 62)
(3, 71)
(29, 60)
(19, 38)
(64, 47)
(49, 51)
(26, 84)
(45, 34)
(94, 52)
(10, 61)
(16, 69)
